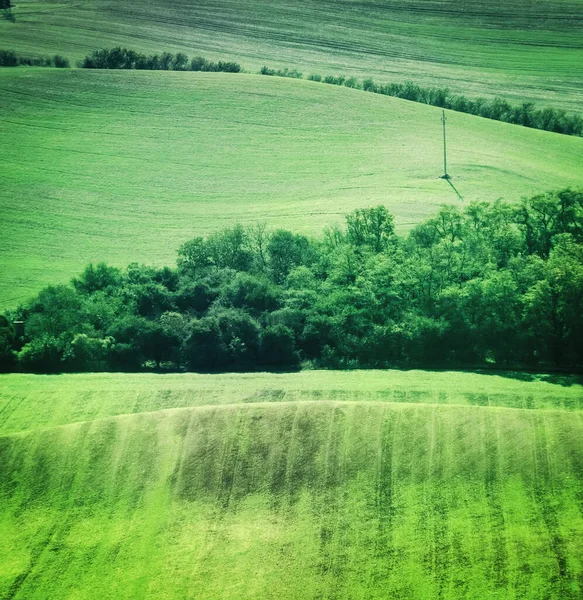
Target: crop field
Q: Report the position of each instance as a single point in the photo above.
(519, 50)
(125, 166)
(409, 485)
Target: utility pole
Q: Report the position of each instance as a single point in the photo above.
(445, 175)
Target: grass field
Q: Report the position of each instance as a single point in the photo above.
(125, 166)
(520, 50)
(409, 485)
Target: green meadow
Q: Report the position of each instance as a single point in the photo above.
(125, 166)
(365, 484)
(519, 50)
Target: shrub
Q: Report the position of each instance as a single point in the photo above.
(280, 72)
(61, 62)
(8, 58)
(122, 58)
(278, 347)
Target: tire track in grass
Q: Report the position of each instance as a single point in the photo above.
(440, 547)
(7, 413)
(492, 483)
(333, 555)
(53, 539)
(384, 548)
(562, 578)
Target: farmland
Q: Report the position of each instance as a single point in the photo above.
(521, 51)
(240, 487)
(313, 484)
(125, 166)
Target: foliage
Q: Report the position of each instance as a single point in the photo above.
(123, 58)
(281, 72)
(8, 58)
(493, 284)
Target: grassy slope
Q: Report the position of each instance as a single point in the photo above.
(29, 402)
(124, 166)
(314, 499)
(520, 50)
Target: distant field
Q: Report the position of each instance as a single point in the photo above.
(408, 485)
(125, 166)
(520, 50)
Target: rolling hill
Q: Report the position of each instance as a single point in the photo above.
(125, 166)
(274, 497)
(519, 50)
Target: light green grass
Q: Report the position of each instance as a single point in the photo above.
(304, 500)
(520, 50)
(35, 401)
(125, 166)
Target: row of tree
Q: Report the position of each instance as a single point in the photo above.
(8, 58)
(526, 114)
(495, 284)
(122, 58)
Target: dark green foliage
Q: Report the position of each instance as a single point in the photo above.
(278, 346)
(8, 58)
(492, 284)
(95, 278)
(44, 354)
(61, 62)
(7, 344)
(122, 58)
(372, 227)
(280, 72)
(251, 293)
(285, 251)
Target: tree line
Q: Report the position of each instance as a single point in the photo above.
(122, 58)
(494, 284)
(8, 58)
(497, 109)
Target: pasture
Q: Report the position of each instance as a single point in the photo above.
(266, 486)
(518, 50)
(125, 166)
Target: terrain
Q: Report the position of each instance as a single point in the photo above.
(413, 484)
(125, 166)
(521, 51)
(318, 485)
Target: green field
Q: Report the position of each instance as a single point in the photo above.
(409, 485)
(125, 166)
(520, 50)
(315, 485)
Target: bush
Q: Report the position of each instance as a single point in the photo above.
(278, 347)
(122, 58)
(61, 62)
(8, 58)
(335, 80)
(280, 72)
(43, 355)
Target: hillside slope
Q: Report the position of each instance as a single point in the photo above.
(296, 500)
(125, 166)
(520, 50)
(29, 402)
